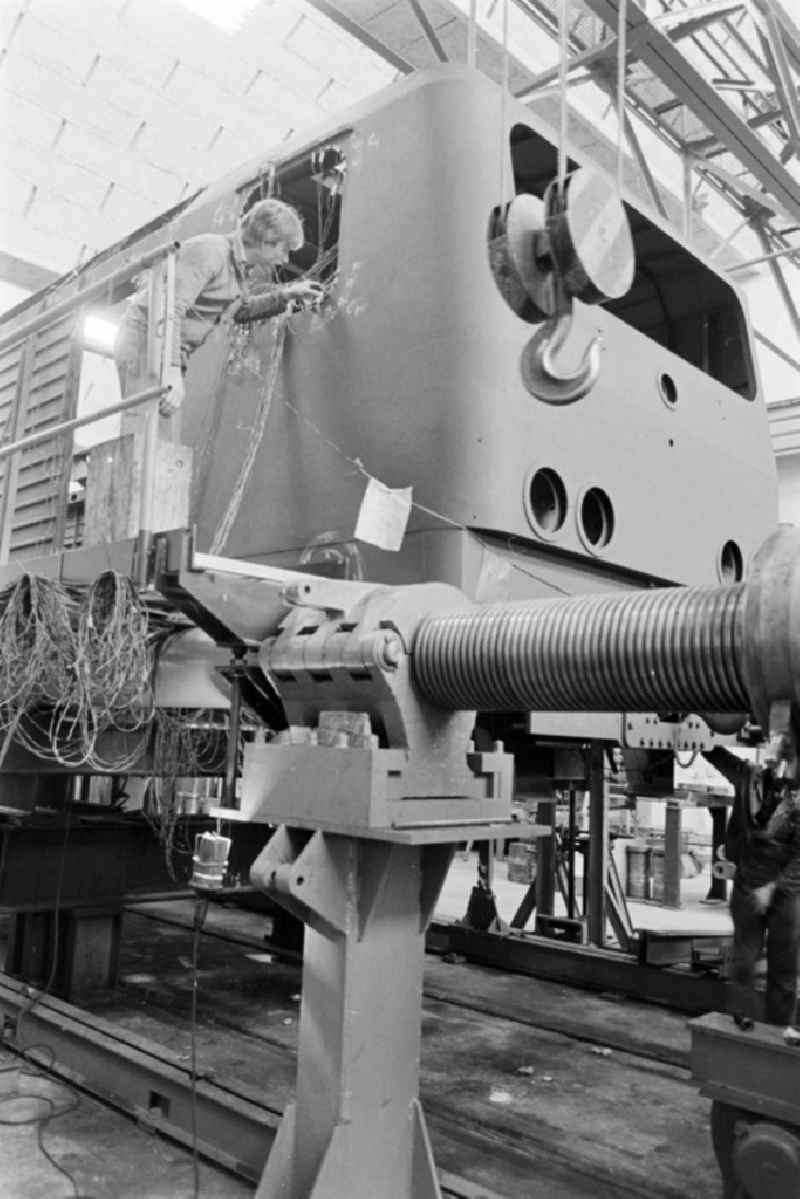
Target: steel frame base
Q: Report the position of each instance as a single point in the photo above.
(357, 1127)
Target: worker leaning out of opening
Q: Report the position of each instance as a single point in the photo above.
(763, 842)
(212, 272)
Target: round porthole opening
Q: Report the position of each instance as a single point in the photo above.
(546, 501)
(668, 388)
(596, 518)
(730, 566)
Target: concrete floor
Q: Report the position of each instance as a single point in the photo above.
(631, 1119)
(107, 1154)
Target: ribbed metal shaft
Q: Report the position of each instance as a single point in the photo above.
(672, 650)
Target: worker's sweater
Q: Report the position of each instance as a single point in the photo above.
(763, 833)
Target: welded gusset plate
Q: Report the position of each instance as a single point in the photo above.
(753, 1070)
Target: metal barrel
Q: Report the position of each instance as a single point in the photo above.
(667, 650)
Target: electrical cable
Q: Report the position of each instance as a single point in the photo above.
(200, 912)
(563, 43)
(621, 55)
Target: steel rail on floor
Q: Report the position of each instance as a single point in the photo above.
(583, 966)
(235, 1126)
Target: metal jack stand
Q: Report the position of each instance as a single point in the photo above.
(368, 822)
(357, 1127)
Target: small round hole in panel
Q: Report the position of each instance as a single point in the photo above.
(668, 388)
(546, 501)
(730, 566)
(596, 519)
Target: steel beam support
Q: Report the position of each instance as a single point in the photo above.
(546, 860)
(598, 844)
(584, 966)
(427, 28)
(356, 30)
(775, 52)
(356, 1126)
(774, 348)
(661, 56)
(142, 1078)
(672, 854)
(719, 822)
(686, 22)
(779, 279)
(688, 188)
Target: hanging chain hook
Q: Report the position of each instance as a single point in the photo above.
(541, 375)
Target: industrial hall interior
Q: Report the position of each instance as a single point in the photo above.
(399, 599)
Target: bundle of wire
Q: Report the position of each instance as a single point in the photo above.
(73, 665)
(38, 652)
(187, 743)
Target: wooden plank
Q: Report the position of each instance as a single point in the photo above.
(49, 413)
(18, 422)
(32, 490)
(32, 548)
(58, 351)
(114, 482)
(8, 374)
(48, 374)
(39, 511)
(38, 455)
(51, 334)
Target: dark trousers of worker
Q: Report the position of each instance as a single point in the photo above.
(780, 925)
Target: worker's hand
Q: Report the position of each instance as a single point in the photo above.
(169, 404)
(762, 897)
(303, 292)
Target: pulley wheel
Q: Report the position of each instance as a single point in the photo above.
(590, 237)
(525, 225)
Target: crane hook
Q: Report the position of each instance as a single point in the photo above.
(543, 378)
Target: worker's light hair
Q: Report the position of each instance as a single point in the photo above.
(275, 221)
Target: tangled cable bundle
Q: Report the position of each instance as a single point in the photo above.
(115, 646)
(186, 743)
(37, 651)
(74, 665)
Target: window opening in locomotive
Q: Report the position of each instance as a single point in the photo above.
(312, 184)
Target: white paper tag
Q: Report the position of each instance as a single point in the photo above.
(383, 515)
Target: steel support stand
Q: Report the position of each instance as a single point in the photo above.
(572, 837)
(719, 820)
(356, 1127)
(672, 854)
(546, 860)
(598, 845)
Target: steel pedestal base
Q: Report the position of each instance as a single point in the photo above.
(356, 1128)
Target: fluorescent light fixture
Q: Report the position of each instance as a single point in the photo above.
(99, 334)
(227, 15)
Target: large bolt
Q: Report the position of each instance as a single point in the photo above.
(677, 649)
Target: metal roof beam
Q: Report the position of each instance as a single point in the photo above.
(355, 29)
(28, 276)
(426, 27)
(782, 77)
(779, 277)
(663, 58)
(685, 22)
